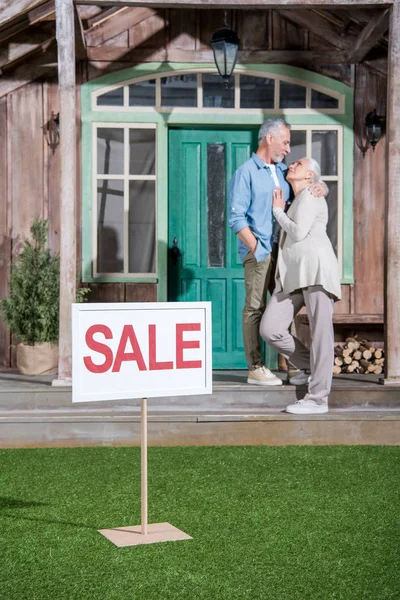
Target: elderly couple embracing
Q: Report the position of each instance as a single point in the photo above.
(294, 243)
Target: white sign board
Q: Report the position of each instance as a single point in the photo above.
(140, 350)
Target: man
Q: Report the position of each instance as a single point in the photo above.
(250, 194)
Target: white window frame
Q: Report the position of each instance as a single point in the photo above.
(126, 178)
(276, 110)
(327, 178)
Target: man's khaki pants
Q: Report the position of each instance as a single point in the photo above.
(256, 278)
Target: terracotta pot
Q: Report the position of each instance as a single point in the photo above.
(39, 359)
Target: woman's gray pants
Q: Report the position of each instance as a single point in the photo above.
(274, 329)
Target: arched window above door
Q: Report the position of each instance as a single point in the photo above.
(202, 90)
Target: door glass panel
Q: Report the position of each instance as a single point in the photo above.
(321, 100)
(256, 92)
(110, 151)
(215, 94)
(324, 150)
(143, 93)
(142, 227)
(297, 147)
(292, 95)
(142, 151)
(332, 200)
(180, 90)
(113, 98)
(110, 226)
(216, 184)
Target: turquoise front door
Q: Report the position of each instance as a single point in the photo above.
(203, 260)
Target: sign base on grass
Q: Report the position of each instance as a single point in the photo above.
(133, 536)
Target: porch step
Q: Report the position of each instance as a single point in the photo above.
(33, 414)
(273, 427)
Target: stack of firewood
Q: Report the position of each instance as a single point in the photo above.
(358, 356)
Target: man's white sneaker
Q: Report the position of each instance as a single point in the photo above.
(307, 407)
(263, 376)
(302, 378)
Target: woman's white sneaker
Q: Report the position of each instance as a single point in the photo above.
(307, 407)
(263, 376)
(302, 378)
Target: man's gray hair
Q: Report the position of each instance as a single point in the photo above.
(271, 126)
(313, 166)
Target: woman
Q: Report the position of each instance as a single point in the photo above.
(307, 274)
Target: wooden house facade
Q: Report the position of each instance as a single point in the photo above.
(134, 187)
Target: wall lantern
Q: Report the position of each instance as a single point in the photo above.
(225, 45)
(53, 131)
(375, 127)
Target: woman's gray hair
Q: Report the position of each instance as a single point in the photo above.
(271, 126)
(313, 166)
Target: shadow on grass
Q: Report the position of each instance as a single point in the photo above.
(8, 503)
(50, 521)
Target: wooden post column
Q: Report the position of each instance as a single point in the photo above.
(66, 85)
(392, 242)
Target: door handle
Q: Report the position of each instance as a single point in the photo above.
(175, 252)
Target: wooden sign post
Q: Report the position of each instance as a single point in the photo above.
(105, 369)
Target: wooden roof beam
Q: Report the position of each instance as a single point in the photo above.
(8, 30)
(240, 4)
(16, 8)
(80, 40)
(319, 26)
(370, 35)
(40, 65)
(110, 54)
(120, 22)
(10, 53)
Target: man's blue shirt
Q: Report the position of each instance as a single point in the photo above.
(250, 203)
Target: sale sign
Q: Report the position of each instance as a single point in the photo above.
(141, 350)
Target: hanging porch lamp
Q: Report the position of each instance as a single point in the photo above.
(225, 45)
(375, 127)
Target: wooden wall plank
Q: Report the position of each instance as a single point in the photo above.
(106, 292)
(149, 33)
(52, 174)
(25, 129)
(252, 29)
(5, 234)
(344, 306)
(369, 196)
(141, 292)
(286, 35)
(182, 29)
(392, 208)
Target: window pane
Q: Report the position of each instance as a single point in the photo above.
(297, 147)
(143, 93)
(179, 91)
(324, 150)
(216, 204)
(113, 98)
(320, 100)
(110, 226)
(292, 96)
(215, 94)
(142, 151)
(142, 227)
(256, 92)
(332, 200)
(110, 151)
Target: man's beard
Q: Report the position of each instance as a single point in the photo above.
(277, 158)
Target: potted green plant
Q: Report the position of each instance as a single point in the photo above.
(32, 310)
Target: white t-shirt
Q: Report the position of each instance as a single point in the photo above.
(272, 168)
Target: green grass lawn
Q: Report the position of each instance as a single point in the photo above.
(268, 523)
